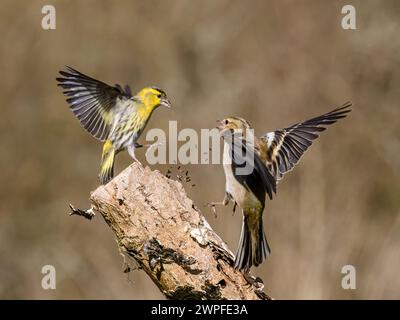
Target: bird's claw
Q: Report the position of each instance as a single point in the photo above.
(212, 206)
(234, 209)
(253, 281)
(147, 145)
(140, 165)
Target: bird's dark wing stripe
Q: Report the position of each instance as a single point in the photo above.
(295, 145)
(303, 143)
(93, 126)
(306, 135)
(289, 152)
(84, 106)
(91, 100)
(128, 90)
(286, 146)
(285, 166)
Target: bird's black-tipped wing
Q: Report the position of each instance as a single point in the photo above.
(91, 100)
(286, 146)
(249, 170)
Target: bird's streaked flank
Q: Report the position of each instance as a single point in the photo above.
(110, 114)
(273, 154)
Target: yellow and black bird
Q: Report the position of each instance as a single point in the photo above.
(110, 113)
(269, 156)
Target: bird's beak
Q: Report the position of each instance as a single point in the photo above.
(165, 103)
(220, 125)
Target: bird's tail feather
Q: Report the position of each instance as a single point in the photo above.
(107, 162)
(253, 246)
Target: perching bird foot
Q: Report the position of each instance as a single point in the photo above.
(224, 202)
(253, 281)
(212, 206)
(140, 166)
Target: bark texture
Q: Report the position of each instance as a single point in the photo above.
(157, 225)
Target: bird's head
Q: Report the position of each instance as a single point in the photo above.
(152, 97)
(233, 124)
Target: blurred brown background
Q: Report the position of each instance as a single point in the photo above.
(272, 62)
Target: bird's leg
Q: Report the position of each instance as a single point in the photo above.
(131, 151)
(234, 208)
(138, 145)
(224, 202)
(252, 280)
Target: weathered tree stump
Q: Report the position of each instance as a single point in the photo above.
(157, 225)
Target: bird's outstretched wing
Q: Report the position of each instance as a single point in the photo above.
(285, 147)
(91, 100)
(254, 176)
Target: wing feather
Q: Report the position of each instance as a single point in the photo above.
(259, 181)
(91, 101)
(286, 146)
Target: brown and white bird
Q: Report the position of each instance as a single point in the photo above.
(270, 157)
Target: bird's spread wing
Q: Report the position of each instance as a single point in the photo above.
(286, 146)
(258, 179)
(91, 100)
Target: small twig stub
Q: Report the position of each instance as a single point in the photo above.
(88, 214)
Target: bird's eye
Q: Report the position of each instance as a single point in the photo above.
(159, 95)
(226, 121)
